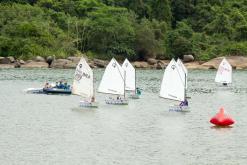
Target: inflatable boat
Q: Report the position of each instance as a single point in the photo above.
(57, 91)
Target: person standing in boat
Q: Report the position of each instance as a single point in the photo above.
(184, 103)
(225, 84)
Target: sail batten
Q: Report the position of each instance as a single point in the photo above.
(130, 75)
(224, 73)
(113, 79)
(83, 80)
(173, 86)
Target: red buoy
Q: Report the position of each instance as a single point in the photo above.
(222, 119)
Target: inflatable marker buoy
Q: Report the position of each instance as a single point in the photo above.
(222, 119)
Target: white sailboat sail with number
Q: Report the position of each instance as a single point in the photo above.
(173, 86)
(83, 84)
(131, 79)
(114, 82)
(224, 73)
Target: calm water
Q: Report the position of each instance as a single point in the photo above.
(45, 129)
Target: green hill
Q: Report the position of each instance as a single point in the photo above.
(123, 28)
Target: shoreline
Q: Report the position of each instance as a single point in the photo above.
(237, 62)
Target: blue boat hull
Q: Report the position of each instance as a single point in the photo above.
(57, 91)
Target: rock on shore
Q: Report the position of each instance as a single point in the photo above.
(62, 64)
(34, 64)
(99, 63)
(6, 60)
(188, 58)
(39, 59)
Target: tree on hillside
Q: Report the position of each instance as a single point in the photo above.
(110, 32)
(150, 36)
(27, 31)
(161, 11)
(181, 9)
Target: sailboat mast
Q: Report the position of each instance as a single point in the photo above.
(124, 82)
(93, 88)
(135, 81)
(185, 84)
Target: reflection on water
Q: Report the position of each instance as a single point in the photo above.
(49, 129)
(222, 128)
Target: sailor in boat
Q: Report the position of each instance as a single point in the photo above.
(119, 99)
(138, 91)
(66, 86)
(56, 85)
(225, 84)
(47, 85)
(184, 103)
(61, 85)
(92, 99)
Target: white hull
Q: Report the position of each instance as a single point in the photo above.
(178, 108)
(221, 85)
(117, 101)
(135, 96)
(89, 104)
(225, 84)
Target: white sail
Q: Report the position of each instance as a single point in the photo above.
(172, 86)
(130, 75)
(83, 80)
(224, 73)
(183, 71)
(113, 79)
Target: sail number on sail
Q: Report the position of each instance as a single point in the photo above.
(79, 74)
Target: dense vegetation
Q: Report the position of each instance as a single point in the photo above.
(136, 29)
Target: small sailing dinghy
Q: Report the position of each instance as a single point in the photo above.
(224, 73)
(131, 79)
(173, 86)
(113, 82)
(83, 84)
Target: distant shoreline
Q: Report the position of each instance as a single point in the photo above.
(237, 62)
